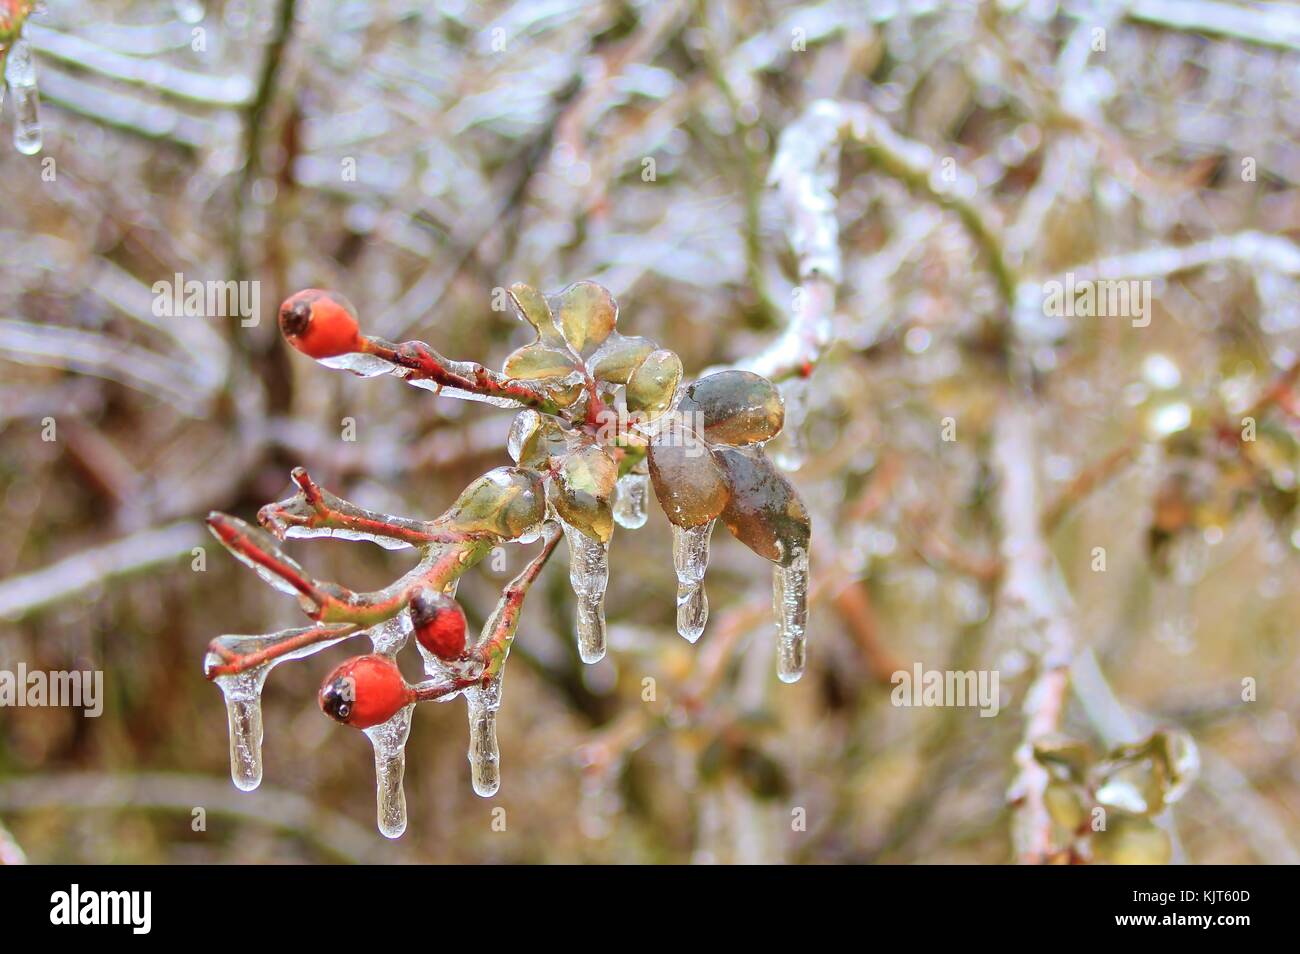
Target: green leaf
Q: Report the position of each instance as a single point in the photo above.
(735, 407)
(688, 482)
(764, 511)
(505, 502)
(652, 385)
(618, 357)
(584, 492)
(586, 314)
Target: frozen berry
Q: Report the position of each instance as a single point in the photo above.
(439, 623)
(320, 324)
(364, 691)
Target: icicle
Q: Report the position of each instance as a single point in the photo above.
(243, 692)
(789, 450)
(589, 575)
(630, 496)
(20, 74)
(484, 756)
(691, 559)
(389, 739)
(790, 603)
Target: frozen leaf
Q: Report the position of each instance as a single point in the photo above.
(1127, 840)
(1065, 757)
(507, 503)
(688, 482)
(1143, 778)
(533, 309)
(652, 385)
(525, 432)
(763, 512)
(586, 314)
(584, 492)
(734, 407)
(537, 361)
(1064, 803)
(618, 357)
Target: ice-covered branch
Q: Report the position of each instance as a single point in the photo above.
(25, 594)
(329, 602)
(1034, 602)
(315, 512)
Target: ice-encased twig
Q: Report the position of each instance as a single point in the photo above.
(691, 560)
(790, 606)
(389, 739)
(243, 690)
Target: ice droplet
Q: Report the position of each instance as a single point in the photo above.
(630, 496)
(20, 74)
(243, 693)
(790, 604)
(691, 559)
(484, 756)
(389, 739)
(588, 575)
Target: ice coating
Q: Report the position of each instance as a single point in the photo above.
(630, 497)
(243, 695)
(790, 605)
(20, 75)
(484, 756)
(389, 739)
(589, 575)
(691, 559)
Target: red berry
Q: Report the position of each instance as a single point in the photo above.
(364, 691)
(320, 324)
(439, 623)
